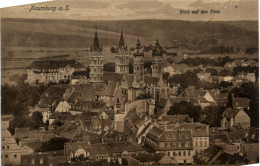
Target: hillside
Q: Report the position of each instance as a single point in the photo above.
(79, 34)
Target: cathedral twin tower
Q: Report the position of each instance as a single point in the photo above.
(122, 60)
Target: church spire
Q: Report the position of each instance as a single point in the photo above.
(96, 42)
(121, 41)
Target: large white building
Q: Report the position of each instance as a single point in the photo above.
(52, 71)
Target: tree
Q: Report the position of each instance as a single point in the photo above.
(212, 71)
(184, 107)
(213, 116)
(37, 119)
(56, 143)
(19, 122)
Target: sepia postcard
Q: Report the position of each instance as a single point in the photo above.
(130, 82)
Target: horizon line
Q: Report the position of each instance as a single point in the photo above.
(123, 19)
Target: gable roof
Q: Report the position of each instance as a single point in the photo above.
(81, 91)
(148, 157)
(55, 64)
(52, 96)
(230, 113)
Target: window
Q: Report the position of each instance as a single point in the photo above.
(179, 153)
(3, 147)
(6, 156)
(41, 161)
(205, 143)
(15, 155)
(201, 143)
(169, 153)
(196, 144)
(184, 153)
(7, 147)
(188, 153)
(3, 139)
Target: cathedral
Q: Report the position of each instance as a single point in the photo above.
(132, 86)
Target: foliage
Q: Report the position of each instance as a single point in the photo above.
(245, 69)
(206, 61)
(250, 91)
(251, 50)
(37, 119)
(187, 79)
(19, 122)
(56, 143)
(213, 116)
(17, 99)
(212, 71)
(184, 107)
(220, 50)
(225, 84)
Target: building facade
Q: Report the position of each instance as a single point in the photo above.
(96, 62)
(122, 58)
(52, 71)
(157, 60)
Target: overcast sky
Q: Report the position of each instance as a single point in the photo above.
(139, 9)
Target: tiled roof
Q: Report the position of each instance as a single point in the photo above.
(86, 106)
(35, 146)
(208, 154)
(81, 91)
(52, 95)
(229, 112)
(215, 138)
(110, 89)
(148, 157)
(111, 148)
(55, 64)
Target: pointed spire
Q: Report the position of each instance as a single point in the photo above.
(157, 42)
(96, 42)
(121, 41)
(138, 42)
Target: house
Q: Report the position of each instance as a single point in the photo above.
(63, 106)
(11, 152)
(49, 100)
(113, 137)
(174, 143)
(174, 119)
(205, 77)
(235, 117)
(150, 159)
(5, 121)
(251, 151)
(53, 158)
(112, 152)
(216, 154)
(31, 147)
(52, 71)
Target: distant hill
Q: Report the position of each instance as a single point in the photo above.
(79, 34)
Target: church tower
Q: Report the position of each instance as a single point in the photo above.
(139, 62)
(122, 58)
(157, 60)
(96, 62)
